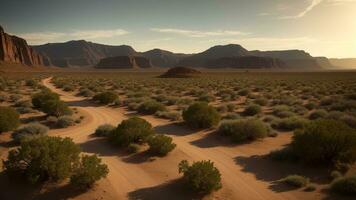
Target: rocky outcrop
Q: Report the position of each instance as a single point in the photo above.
(15, 50)
(246, 62)
(180, 72)
(124, 62)
(81, 52)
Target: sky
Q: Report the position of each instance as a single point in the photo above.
(320, 27)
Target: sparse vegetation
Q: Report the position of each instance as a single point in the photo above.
(160, 144)
(201, 115)
(296, 181)
(9, 119)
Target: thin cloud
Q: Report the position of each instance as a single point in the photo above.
(48, 37)
(199, 34)
(313, 4)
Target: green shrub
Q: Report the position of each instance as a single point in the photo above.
(151, 107)
(160, 144)
(171, 115)
(244, 129)
(261, 101)
(43, 158)
(133, 148)
(56, 108)
(29, 130)
(202, 177)
(344, 185)
(290, 123)
(318, 114)
(104, 130)
(252, 110)
(201, 115)
(65, 121)
(310, 187)
(325, 142)
(106, 97)
(39, 99)
(133, 130)
(9, 119)
(296, 181)
(89, 171)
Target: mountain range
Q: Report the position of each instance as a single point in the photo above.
(82, 53)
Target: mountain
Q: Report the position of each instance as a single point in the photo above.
(162, 58)
(324, 62)
(216, 52)
(296, 59)
(15, 50)
(246, 62)
(124, 62)
(343, 62)
(81, 52)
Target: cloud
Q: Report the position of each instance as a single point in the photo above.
(313, 4)
(199, 34)
(47, 37)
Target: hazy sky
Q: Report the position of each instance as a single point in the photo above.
(321, 27)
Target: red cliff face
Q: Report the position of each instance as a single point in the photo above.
(16, 50)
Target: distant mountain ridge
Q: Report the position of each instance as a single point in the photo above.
(343, 62)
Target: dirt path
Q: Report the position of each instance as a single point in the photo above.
(246, 174)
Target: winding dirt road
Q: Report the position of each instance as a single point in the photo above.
(246, 174)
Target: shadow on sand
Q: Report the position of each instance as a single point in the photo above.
(176, 129)
(173, 190)
(16, 189)
(271, 171)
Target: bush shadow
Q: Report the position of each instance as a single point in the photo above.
(176, 129)
(271, 171)
(213, 139)
(172, 190)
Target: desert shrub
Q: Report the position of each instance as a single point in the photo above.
(160, 144)
(104, 130)
(335, 174)
(202, 177)
(29, 130)
(9, 119)
(65, 121)
(106, 97)
(43, 158)
(344, 185)
(296, 181)
(39, 99)
(252, 110)
(310, 105)
(206, 98)
(86, 92)
(244, 129)
(318, 114)
(310, 187)
(31, 83)
(285, 154)
(325, 142)
(290, 123)
(261, 101)
(349, 120)
(133, 130)
(151, 107)
(171, 115)
(243, 92)
(231, 116)
(56, 108)
(201, 115)
(133, 148)
(89, 170)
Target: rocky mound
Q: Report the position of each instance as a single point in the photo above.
(15, 50)
(180, 72)
(124, 62)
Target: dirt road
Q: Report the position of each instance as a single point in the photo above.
(246, 174)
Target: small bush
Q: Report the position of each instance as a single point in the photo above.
(106, 97)
(39, 99)
(9, 119)
(89, 171)
(104, 130)
(65, 121)
(252, 110)
(161, 144)
(201, 115)
(43, 158)
(56, 108)
(296, 181)
(133, 130)
(151, 107)
(344, 185)
(325, 142)
(290, 123)
(318, 114)
(171, 115)
(310, 187)
(202, 177)
(261, 101)
(29, 130)
(244, 129)
(133, 148)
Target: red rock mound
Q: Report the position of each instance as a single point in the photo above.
(180, 72)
